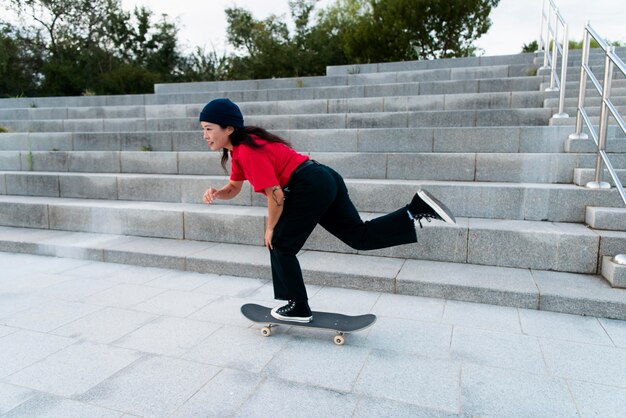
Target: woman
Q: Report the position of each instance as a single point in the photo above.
(300, 194)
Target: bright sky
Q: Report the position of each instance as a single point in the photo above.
(515, 22)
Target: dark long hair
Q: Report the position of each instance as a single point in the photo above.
(241, 136)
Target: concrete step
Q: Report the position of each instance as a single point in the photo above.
(505, 100)
(446, 118)
(430, 64)
(582, 176)
(354, 79)
(518, 201)
(485, 167)
(615, 145)
(582, 294)
(505, 243)
(613, 272)
(606, 218)
(466, 139)
(484, 85)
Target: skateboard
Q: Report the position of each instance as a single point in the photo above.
(339, 323)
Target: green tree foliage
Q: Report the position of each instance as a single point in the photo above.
(393, 30)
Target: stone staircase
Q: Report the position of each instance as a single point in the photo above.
(120, 179)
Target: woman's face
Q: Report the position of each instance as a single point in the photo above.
(216, 137)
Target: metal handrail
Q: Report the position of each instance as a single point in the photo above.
(611, 61)
(551, 41)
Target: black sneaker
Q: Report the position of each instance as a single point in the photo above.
(293, 311)
(425, 206)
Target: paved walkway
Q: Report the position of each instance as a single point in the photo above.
(89, 339)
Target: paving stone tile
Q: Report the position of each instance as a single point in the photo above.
(275, 398)
(96, 270)
(238, 348)
(75, 369)
(137, 275)
(415, 337)
(500, 318)
(586, 362)
(168, 336)
(123, 296)
(346, 301)
(409, 307)
(4, 330)
(616, 330)
(598, 400)
(497, 349)
(224, 310)
(11, 303)
(231, 286)
(494, 392)
(181, 280)
(222, 396)
(26, 347)
(75, 289)
(28, 282)
(405, 378)
(375, 408)
(49, 316)
(105, 325)
(327, 365)
(175, 303)
(154, 387)
(49, 406)
(12, 396)
(563, 327)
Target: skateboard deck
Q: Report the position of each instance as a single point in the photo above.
(339, 323)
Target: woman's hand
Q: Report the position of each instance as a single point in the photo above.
(269, 233)
(210, 195)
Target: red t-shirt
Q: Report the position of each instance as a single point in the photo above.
(264, 167)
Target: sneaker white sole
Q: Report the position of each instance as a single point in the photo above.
(437, 206)
(300, 319)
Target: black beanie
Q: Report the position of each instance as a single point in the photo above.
(222, 112)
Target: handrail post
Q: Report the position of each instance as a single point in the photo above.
(546, 48)
(604, 119)
(563, 82)
(582, 87)
(555, 48)
(541, 45)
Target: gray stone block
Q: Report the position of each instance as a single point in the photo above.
(357, 105)
(94, 162)
(614, 273)
(385, 90)
(149, 162)
(332, 121)
(509, 84)
(126, 100)
(126, 125)
(149, 188)
(77, 125)
(49, 141)
(448, 87)
(323, 140)
(525, 168)
(45, 161)
(399, 140)
(372, 78)
(579, 294)
(88, 186)
(449, 118)
(415, 104)
(23, 213)
(233, 260)
(431, 166)
(96, 141)
(138, 141)
(477, 101)
(606, 218)
(140, 220)
(32, 185)
(376, 120)
(283, 122)
(471, 283)
(188, 141)
(512, 117)
(536, 245)
(480, 140)
(207, 163)
(355, 165)
(479, 72)
(165, 111)
(300, 107)
(10, 161)
(239, 225)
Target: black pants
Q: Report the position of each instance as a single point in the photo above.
(318, 194)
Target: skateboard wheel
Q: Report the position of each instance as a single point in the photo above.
(266, 331)
(339, 339)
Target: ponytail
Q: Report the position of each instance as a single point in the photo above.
(242, 136)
